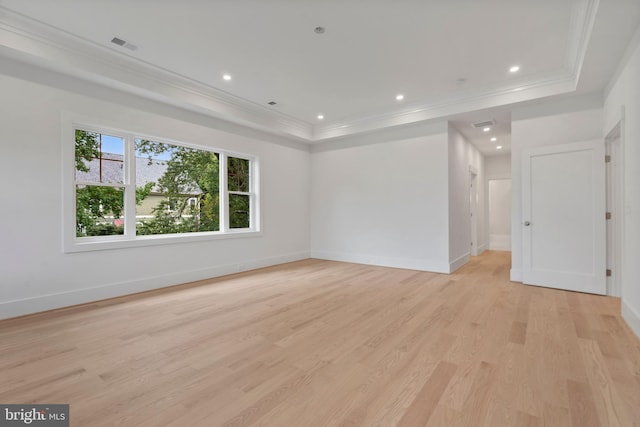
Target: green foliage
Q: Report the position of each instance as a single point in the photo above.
(87, 148)
(166, 221)
(143, 192)
(239, 211)
(238, 174)
(190, 174)
(95, 203)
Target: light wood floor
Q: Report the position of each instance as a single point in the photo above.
(318, 343)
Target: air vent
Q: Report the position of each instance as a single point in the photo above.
(118, 41)
(124, 43)
(480, 125)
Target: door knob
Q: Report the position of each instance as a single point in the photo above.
(527, 223)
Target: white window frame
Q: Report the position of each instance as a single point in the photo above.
(71, 243)
(251, 193)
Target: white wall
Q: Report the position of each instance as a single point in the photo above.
(543, 125)
(498, 166)
(383, 204)
(36, 275)
(625, 92)
(498, 203)
(462, 156)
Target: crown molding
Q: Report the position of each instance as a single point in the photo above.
(582, 20)
(34, 42)
(557, 84)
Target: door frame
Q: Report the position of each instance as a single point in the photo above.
(614, 147)
(473, 209)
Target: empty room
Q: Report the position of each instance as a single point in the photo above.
(320, 213)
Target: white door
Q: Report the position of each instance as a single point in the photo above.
(563, 229)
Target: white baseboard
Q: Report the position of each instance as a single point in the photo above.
(500, 242)
(632, 317)
(408, 263)
(456, 264)
(483, 247)
(515, 275)
(40, 303)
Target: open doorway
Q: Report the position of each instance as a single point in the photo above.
(500, 214)
(473, 209)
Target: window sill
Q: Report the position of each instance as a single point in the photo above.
(87, 244)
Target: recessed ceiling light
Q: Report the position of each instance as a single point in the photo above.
(226, 77)
(399, 97)
(272, 103)
(494, 139)
(320, 117)
(487, 129)
(514, 69)
(499, 147)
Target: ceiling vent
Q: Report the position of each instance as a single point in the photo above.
(485, 124)
(124, 43)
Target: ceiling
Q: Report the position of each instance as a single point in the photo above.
(447, 57)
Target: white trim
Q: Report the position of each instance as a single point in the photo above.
(614, 145)
(632, 317)
(384, 261)
(515, 275)
(37, 43)
(130, 190)
(72, 121)
(483, 247)
(498, 176)
(102, 243)
(30, 41)
(473, 210)
(456, 264)
(554, 85)
(583, 18)
(31, 305)
(223, 185)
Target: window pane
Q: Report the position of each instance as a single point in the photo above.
(239, 216)
(99, 210)
(176, 189)
(99, 158)
(238, 174)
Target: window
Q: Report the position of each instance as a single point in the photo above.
(240, 196)
(128, 189)
(181, 185)
(99, 177)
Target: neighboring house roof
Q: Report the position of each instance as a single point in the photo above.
(112, 171)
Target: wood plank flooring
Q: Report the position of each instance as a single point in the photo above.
(319, 343)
